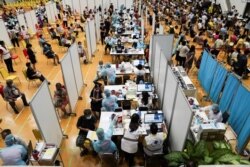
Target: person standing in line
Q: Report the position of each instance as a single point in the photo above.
(65, 19)
(32, 56)
(6, 56)
(190, 59)
(13, 36)
(96, 100)
(183, 49)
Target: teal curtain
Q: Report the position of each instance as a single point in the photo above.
(244, 136)
(203, 65)
(230, 88)
(218, 82)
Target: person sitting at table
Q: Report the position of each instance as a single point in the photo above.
(104, 144)
(13, 154)
(145, 100)
(154, 105)
(42, 40)
(109, 103)
(108, 72)
(140, 73)
(153, 143)
(61, 98)
(32, 74)
(129, 142)
(50, 54)
(85, 123)
(18, 140)
(64, 41)
(12, 93)
(59, 29)
(119, 47)
(214, 113)
(140, 44)
(109, 43)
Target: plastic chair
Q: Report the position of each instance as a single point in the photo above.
(126, 105)
(25, 53)
(14, 57)
(29, 153)
(6, 75)
(118, 80)
(108, 158)
(154, 160)
(37, 134)
(29, 80)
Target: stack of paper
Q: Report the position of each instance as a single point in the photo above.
(49, 153)
(92, 135)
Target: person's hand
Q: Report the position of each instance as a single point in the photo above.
(163, 126)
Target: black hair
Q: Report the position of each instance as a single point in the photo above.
(153, 128)
(134, 123)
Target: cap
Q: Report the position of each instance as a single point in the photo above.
(9, 140)
(215, 107)
(100, 133)
(107, 92)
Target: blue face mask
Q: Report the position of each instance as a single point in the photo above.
(89, 117)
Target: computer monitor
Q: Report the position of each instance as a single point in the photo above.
(153, 118)
(146, 87)
(137, 62)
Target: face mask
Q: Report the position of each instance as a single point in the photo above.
(89, 117)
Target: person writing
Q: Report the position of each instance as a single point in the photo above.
(140, 73)
(214, 113)
(11, 93)
(13, 154)
(104, 144)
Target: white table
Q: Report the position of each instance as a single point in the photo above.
(105, 122)
(129, 52)
(130, 69)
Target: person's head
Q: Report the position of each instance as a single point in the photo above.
(28, 65)
(139, 67)
(9, 140)
(2, 43)
(154, 101)
(9, 83)
(192, 48)
(57, 25)
(28, 46)
(87, 113)
(215, 108)
(108, 65)
(100, 133)
(79, 43)
(5, 133)
(97, 85)
(58, 86)
(107, 92)
(40, 36)
(183, 43)
(23, 27)
(100, 63)
(153, 128)
(134, 122)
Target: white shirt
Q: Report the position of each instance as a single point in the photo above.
(183, 50)
(139, 72)
(129, 141)
(6, 54)
(25, 34)
(153, 143)
(218, 43)
(211, 116)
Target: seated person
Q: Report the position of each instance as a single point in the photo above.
(42, 41)
(59, 29)
(140, 73)
(104, 144)
(153, 143)
(11, 93)
(154, 105)
(13, 154)
(85, 123)
(214, 112)
(119, 47)
(108, 72)
(61, 98)
(140, 45)
(53, 34)
(109, 103)
(17, 140)
(50, 54)
(32, 74)
(82, 52)
(145, 100)
(64, 41)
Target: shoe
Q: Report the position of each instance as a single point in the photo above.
(13, 71)
(26, 105)
(16, 112)
(49, 83)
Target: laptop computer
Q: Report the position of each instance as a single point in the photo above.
(153, 118)
(146, 87)
(137, 62)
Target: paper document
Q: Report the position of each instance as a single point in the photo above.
(49, 153)
(92, 135)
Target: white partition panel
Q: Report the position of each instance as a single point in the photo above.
(129, 4)
(92, 35)
(21, 20)
(88, 40)
(76, 67)
(30, 25)
(83, 4)
(98, 3)
(33, 16)
(142, 29)
(181, 120)
(91, 4)
(97, 26)
(68, 2)
(55, 11)
(161, 31)
(45, 115)
(162, 75)
(106, 4)
(153, 24)
(120, 3)
(156, 66)
(49, 13)
(169, 95)
(76, 6)
(4, 34)
(69, 80)
(166, 44)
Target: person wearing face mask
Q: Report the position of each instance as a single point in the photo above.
(214, 113)
(85, 123)
(109, 103)
(140, 45)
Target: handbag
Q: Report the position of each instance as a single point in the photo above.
(80, 140)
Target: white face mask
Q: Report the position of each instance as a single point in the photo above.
(89, 117)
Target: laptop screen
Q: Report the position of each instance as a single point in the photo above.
(153, 118)
(147, 87)
(137, 62)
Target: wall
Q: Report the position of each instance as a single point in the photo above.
(240, 5)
